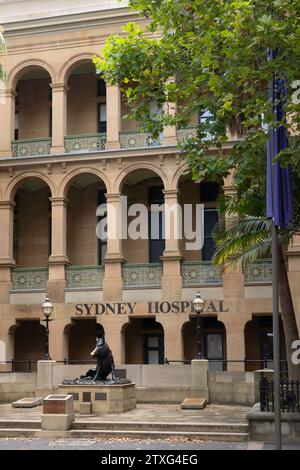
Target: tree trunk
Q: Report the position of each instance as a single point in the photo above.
(288, 317)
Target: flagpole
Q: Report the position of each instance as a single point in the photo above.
(275, 270)
(276, 338)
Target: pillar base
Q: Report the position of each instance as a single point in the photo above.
(112, 145)
(56, 291)
(171, 281)
(233, 285)
(170, 141)
(57, 150)
(6, 153)
(113, 289)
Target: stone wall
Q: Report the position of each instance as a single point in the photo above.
(14, 386)
(231, 387)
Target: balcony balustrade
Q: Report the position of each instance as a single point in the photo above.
(29, 279)
(84, 277)
(31, 148)
(85, 143)
(142, 275)
(134, 140)
(199, 273)
(259, 272)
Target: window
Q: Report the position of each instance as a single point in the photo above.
(206, 117)
(102, 244)
(102, 118)
(209, 191)
(156, 245)
(101, 87)
(50, 122)
(17, 125)
(211, 218)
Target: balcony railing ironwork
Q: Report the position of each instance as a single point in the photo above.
(197, 273)
(31, 148)
(29, 279)
(85, 143)
(84, 277)
(142, 275)
(134, 140)
(258, 272)
(185, 134)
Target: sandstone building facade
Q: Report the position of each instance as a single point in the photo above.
(65, 149)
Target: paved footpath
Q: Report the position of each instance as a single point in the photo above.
(128, 444)
(144, 413)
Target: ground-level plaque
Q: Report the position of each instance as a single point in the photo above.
(193, 404)
(105, 398)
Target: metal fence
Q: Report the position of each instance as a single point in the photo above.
(289, 395)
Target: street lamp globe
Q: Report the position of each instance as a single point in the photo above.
(198, 305)
(47, 307)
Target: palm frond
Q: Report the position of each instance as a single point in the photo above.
(243, 241)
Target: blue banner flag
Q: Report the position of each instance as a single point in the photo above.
(279, 179)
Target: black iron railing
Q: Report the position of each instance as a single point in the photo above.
(289, 395)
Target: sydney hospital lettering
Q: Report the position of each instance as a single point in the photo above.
(130, 308)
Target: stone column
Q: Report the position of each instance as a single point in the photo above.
(58, 259)
(113, 337)
(7, 120)
(171, 279)
(235, 341)
(113, 113)
(6, 249)
(172, 337)
(170, 132)
(233, 280)
(113, 279)
(293, 254)
(199, 378)
(59, 117)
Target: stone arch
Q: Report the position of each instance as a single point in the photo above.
(24, 67)
(71, 65)
(136, 345)
(16, 182)
(177, 175)
(29, 343)
(81, 337)
(139, 166)
(67, 180)
(210, 328)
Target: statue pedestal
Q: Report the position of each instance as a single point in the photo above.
(104, 398)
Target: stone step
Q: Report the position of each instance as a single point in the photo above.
(20, 432)
(159, 426)
(6, 424)
(108, 434)
(201, 436)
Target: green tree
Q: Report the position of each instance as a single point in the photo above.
(2, 49)
(245, 241)
(212, 55)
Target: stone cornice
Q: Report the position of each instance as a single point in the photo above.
(104, 156)
(68, 22)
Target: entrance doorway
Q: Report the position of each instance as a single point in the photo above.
(29, 344)
(213, 341)
(143, 341)
(81, 338)
(214, 350)
(153, 349)
(259, 343)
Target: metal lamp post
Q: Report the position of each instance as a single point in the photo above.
(47, 309)
(198, 304)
